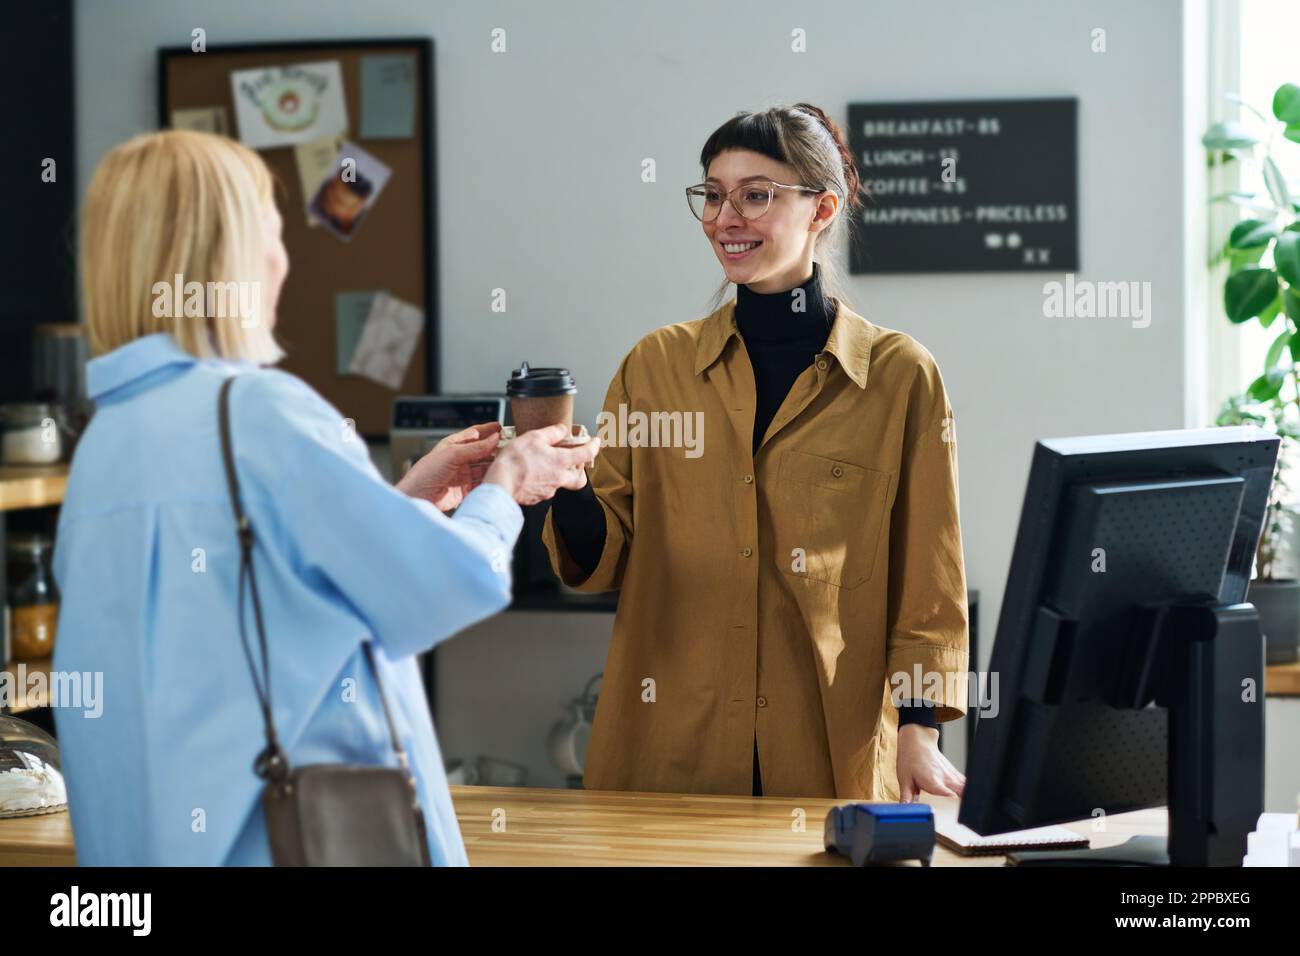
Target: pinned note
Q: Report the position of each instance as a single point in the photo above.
(388, 96)
(209, 119)
(350, 311)
(287, 105)
(388, 340)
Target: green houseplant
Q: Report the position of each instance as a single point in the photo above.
(1277, 598)
(1262, 253)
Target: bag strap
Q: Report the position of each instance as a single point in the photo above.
(272, 763)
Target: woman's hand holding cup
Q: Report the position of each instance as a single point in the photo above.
(533, 465)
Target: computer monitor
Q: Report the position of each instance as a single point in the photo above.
(1129, 670)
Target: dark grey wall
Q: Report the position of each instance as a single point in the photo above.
(38, 245)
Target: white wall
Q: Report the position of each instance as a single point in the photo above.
(539, 154)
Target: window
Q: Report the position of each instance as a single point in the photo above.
(1267, 36)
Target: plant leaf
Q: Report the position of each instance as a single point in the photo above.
(1234, 98)
(1286, 103)
(1291, 302)
(1276, 184)
(1286, 257)
(1267, 386)
(1250, 233)
(1292, 133)
(1229, 134)
(1232, 197)
(1248, 292)
(1275, 350)
(1249, 201)
(1270, 311)
(1239, 259)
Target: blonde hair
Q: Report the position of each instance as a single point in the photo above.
(176, 204)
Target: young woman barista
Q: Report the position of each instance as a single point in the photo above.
(772, 585)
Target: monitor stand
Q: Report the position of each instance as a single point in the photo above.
(1196, 660)
(1207, 668)
(1135, 851)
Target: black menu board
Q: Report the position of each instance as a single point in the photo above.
(966, 186)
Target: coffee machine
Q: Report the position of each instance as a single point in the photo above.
(421, 421)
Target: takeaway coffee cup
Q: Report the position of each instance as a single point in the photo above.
(540, 397)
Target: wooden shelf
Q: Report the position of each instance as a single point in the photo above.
(32, 486)
(28, 701)
(1282, 680)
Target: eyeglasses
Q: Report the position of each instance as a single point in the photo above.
(755, 198)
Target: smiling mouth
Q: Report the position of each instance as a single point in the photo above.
(736, 250)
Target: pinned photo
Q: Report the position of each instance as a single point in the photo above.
(344, 199)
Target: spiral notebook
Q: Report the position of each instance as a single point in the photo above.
(967, 842)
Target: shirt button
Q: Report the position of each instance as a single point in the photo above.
(837, 471)
(749, 479)
(822, 365)
(747, 552)
(762, 702)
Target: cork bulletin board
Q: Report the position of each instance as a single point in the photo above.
(390, 249)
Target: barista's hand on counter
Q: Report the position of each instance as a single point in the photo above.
(922, 766)
(454, 467)
(533, 466)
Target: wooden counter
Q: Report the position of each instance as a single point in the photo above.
(593, 828)
(589, 828)
(1282, 680)
(37, 841)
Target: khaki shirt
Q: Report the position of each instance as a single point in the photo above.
(771, 594)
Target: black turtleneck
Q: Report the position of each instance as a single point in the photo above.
(782, 332)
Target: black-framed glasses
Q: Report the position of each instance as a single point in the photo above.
(755, 199)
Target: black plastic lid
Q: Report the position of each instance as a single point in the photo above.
(528, 382)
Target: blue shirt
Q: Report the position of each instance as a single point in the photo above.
(147, 560)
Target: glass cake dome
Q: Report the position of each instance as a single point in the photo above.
(31, 781)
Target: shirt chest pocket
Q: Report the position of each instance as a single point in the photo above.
(828, 518)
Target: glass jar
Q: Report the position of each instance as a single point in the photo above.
(31, 433)
(33, 596)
